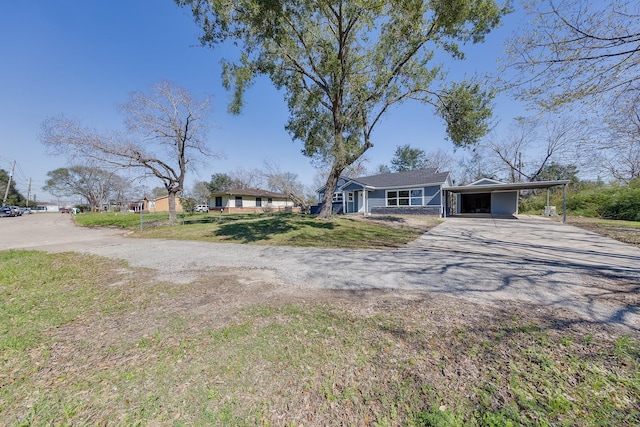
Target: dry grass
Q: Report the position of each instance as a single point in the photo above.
(230, 349)
(623, 231)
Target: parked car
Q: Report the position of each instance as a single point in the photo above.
(16, 210)
(25, 211)
(64, 210)
(6, 211)
(202, 208)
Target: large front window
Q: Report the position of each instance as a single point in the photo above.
(337, 197)
(404, 197)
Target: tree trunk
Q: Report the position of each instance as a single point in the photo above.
(327, 198)
(173, 217)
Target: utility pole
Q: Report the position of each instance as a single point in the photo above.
(28, 191)
(6, 191)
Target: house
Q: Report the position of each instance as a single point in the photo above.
(412, 192)
(161, 204)
(249, 200)
(488, 196)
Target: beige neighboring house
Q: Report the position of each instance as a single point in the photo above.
(250, 200)
(161, 204)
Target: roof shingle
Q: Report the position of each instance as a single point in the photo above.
(399, 179)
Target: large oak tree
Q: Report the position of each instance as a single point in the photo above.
(343, 63)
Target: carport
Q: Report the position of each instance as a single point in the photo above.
(493, 197)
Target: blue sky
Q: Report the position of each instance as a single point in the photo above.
(83, 58)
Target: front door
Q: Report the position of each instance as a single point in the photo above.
(350, 202)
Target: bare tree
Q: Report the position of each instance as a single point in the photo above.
(167, 130)
(533, 143)
(440, 160)
(201, 191)
(247, 178)
(621, 151)
(286, 183)
(576, 50)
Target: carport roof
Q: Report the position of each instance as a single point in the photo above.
(505, 187)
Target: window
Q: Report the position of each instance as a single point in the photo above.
(238, 201)
(404, 197)
(258, 201)
(337, 197)
(269, 200)
(350, 197)
(218, 202)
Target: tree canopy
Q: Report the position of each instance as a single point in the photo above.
(95, 185)
(342, 64)
(407, 158)
(14, 197)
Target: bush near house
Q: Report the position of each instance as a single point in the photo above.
(621, 202)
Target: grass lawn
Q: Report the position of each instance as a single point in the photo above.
(272, 229)
(87, 341)
(624, 231)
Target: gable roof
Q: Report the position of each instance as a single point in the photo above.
(403, 179)
(253, 192)
(486, 181)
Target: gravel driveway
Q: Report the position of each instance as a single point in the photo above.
(491, 261)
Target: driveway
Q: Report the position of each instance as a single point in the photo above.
(491, 261)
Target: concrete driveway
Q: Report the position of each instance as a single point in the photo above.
(491, 261)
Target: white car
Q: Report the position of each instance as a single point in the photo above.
(202, 208)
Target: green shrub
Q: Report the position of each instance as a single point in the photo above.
(623, 203)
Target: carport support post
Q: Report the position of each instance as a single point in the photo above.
(547, 210)
(564, 202)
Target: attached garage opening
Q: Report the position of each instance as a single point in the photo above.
(494, 197)
(476, 203)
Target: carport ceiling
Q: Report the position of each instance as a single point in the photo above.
(505, 187)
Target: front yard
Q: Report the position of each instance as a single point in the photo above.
(273, 229)
(88, 341)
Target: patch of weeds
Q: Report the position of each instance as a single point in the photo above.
(437, 417)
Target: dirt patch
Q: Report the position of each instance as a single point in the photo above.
(421, 223)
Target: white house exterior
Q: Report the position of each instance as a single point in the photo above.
(249, 200)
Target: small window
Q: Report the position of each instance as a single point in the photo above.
(238, 201)
(259, 201)
(218, 202)
(269, 200)
(350, 197)
(337, 197)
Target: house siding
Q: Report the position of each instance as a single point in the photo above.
(353, 187)
(162, 205)
(407, 210)
(249, 204)
(376, 187)
(432, 195)
(504, 203)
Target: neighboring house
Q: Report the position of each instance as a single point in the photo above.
(412, 192)
(488, 196)
(45, 207)
(161, 204)
(249, 200)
